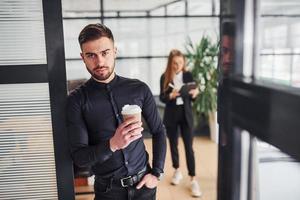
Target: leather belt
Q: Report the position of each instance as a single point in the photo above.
(133, 179)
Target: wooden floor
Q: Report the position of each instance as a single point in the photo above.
(206, 171)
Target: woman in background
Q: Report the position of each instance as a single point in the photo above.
(177, 91)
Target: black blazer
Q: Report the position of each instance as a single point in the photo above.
(168, 118)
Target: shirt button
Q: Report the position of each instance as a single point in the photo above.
(126, 163)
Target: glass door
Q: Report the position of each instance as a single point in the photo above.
(259, 100)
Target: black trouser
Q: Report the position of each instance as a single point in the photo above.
(187, 136)
(112, 189)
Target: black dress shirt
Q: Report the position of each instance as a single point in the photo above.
(92, 121)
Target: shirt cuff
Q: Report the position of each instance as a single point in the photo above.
(103, 151)
(156, 170)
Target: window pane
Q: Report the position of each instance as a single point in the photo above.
(203, 7)
(27, 163)
(288, 7)
(22, 34)
(147, 70)
(177, 8)
(296, 71)
(278, 174)
(279, 38)
(155, 38)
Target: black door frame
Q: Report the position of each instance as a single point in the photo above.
(58, 92)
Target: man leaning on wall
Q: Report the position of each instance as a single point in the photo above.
(101, 137)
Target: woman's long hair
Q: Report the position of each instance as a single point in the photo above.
(170, 73)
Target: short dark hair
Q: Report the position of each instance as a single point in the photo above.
(228, 28)
(94, 32)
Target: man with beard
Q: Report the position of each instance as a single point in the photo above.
(227, 48)
(226, 67)
(100, 137)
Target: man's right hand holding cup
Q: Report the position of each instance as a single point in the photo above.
(130, 130)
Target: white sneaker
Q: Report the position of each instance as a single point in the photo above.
(195, 189)
(176, 178)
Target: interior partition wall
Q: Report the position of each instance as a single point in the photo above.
(34, 157)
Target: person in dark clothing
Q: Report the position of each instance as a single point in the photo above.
(227, 49)
(176, 93)
(226, 66)
(100, 137)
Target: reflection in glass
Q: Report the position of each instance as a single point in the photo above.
(225, 67)
(227, 48)
(228, 7)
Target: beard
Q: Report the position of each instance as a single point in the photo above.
(101, 76)
(226, 67)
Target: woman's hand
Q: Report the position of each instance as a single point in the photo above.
(174, 94)
(194, 93)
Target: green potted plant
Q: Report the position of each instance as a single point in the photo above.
(202, 59)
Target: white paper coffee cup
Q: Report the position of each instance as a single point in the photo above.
(129, 111)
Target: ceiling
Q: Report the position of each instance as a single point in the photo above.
(120, 5)
(79, 6)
